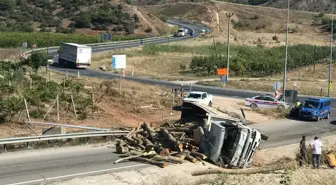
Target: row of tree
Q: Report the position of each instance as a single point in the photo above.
(259, 61)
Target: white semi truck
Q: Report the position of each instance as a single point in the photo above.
(74, 55)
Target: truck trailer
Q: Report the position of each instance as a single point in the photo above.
(74, 55)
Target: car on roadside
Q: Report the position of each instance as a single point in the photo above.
(199, 97)
(266, 101)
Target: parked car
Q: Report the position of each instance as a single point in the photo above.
(199, 97)
(265, 101)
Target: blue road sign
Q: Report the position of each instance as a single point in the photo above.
(224, 79)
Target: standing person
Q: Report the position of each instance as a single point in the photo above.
(317, 151)
(303, 151)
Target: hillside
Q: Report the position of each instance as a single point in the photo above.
(252, 25)
(302, 5)
(80, 16)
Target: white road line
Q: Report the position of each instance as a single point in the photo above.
(77, 174)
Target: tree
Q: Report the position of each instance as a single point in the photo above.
(83, 20)
(36, 60)
(136, 18)
(7, 4)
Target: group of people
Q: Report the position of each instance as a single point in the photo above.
(316, 147)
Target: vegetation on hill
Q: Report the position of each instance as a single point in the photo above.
(64, 16)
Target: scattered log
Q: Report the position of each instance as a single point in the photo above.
(191, 158)
(139, 141)
(127, 158)
(122, 149)
(145, 140)
(149, 131)
(182, 136)
(168, 159)
(120, 142)
(181, 156)
(131, 133)
(172, 139)
(157, 163)
(132, 142)
(198, 155)
(269, 169)
(165, 152)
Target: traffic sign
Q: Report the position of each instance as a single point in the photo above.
(221, 71)
(224, 78)
(276, 94)
(276, 86)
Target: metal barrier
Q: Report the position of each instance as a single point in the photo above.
(60, 136)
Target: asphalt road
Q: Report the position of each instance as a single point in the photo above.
(34, 168)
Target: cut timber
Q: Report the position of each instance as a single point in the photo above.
(131, 133)
(157, 163)
(172, 139)
(198, 155)
(145, 140)
(121, 149)
(149, 131)
(139, 141)
(191, 158)
(290, 165)
(165, 152)
(132, 142)
(168, 159)
(181, 156)
(127, 158)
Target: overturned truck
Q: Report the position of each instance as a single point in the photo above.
(226, 140)
(202, 133)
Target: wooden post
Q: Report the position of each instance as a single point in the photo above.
(67, 74)
(77, 73)
(120, 82)
(57, 103)
(25, 101)
(92, 97)
(73, 105)
(173, 100)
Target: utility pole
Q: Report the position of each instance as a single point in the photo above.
(229, 15)
(331, 50)
(286, 57)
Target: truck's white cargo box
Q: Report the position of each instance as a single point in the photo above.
(79, 55)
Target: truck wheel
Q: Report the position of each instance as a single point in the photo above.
(253, 106)
(210, 104)
(328, 116)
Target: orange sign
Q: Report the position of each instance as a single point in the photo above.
(221, 71)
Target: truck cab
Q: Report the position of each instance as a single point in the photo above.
(225, 140)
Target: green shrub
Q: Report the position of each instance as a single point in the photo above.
(9, 107)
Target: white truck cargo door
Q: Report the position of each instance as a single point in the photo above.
(84, 55)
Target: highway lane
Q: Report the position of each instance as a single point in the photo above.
(36, 167)
(33, 169)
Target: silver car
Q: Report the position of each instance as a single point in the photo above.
(265, 101)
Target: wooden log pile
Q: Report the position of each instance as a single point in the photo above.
(169, 144)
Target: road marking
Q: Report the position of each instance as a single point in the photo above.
(77, 174)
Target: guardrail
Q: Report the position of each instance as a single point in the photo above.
(61, 136)
(104, 43)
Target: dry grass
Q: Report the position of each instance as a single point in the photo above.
(10, 54)
(165, 66)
